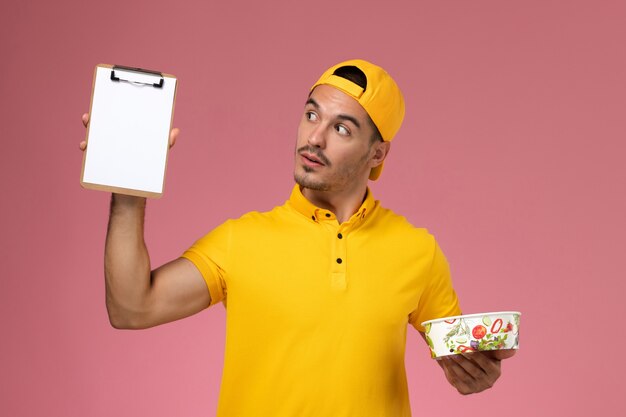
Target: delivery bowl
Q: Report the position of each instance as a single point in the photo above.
(472, 333)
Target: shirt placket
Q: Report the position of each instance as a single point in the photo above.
(338, 279)
(339, 246)
(338, 250)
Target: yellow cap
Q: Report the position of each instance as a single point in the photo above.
(381, 98)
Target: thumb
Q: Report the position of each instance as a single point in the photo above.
(173, 136)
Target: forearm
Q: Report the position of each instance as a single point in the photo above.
(127, 263)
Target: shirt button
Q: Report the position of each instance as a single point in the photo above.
(339, 235)
(339, 260)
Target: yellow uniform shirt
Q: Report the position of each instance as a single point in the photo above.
(317, 311)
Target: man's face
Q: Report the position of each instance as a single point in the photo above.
(333, 149)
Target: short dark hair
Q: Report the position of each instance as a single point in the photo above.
(354, 74)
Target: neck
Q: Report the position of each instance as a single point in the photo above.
(343, 203)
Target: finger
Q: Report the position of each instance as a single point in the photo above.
(471, 367)
(483, 368)
(458, 377)
(82, 145)
(85, 119)
(173, 136)
(502, 354)
(485, 361)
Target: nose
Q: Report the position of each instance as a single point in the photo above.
(316, 136)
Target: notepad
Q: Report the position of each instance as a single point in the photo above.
(131, 117)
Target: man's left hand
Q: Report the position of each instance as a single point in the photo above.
(474, 372)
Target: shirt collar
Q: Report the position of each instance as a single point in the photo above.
(303, 206)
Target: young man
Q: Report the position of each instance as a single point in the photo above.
(320, 290)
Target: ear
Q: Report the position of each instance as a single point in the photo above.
(380, 151)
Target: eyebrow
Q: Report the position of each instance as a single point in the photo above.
(352, 119)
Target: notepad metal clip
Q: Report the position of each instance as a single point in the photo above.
(137, 76)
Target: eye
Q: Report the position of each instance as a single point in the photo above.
(311, 116)
(342, 130)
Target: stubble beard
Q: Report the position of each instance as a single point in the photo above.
(305, 181)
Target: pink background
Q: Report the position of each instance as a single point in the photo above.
(512, 154)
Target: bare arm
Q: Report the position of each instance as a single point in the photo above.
(136, 296)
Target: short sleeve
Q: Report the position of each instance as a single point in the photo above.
(439, 298)
(210, 255)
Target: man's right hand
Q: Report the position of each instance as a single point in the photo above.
(83, 145)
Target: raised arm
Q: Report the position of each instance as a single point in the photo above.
(137, 296)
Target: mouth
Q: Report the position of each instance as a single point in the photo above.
(311, 160)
